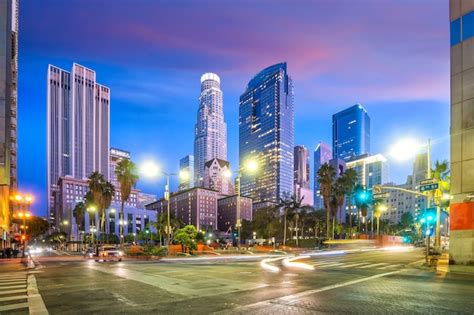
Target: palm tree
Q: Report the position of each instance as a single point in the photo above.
(290, 204)
(338, 200)
(79, 214)
(127, 176)
(362, 204)
(350, 181)
(108, 192)
(326, 175)
(102, 193)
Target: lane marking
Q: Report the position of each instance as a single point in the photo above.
(332, 265)
(353, 265)
(325, 263)
(10, 307)
(12, 291)
(390, 266)
(124, 300)
(35, 301)
(13, 298)
(292, 297)
(11, 282)
(372, 265)
(20, 286)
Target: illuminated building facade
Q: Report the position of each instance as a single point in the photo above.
(78, 126)
(266, 135)
(217, 177)
(371, 170)
(210, 130)
(227, 212)
(302, 175)
(186, 166)
(351, 133)
(322, 155)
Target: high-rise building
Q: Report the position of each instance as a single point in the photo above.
(322, 155)
(420, 169)
(8, 110)
(399, 202)
(78, 125)
(217, 177)
(302, 175)
(186, 166)
(116, 155)
(266, 135)
(351, 133)
(301, 166)
(461, 246)
(371, 170)
(210, 130)
(227, 212)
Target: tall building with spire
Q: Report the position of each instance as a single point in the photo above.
(78, 126)
(8, 110)
(210, 130)
(266, 135)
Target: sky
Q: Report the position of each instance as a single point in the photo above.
(392, 56)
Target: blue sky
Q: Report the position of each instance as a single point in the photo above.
(391, 56)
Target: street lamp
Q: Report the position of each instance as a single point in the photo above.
(92, 209)
(380, 208)
(151, 170)
(250, 166)
(24, 214)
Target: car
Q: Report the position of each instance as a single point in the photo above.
(109, 253)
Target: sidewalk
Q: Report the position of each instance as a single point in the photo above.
(444, 266)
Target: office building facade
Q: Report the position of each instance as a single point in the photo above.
(371, 170)
(266, 135)
(210, 130)
(186, 166)
(351, 133)
(116, 155)
(196, 206)
(322, 155)
(78, 126)
(8, 111)
(217, 177)
(227, 212)
(461, 247)
(399, 202)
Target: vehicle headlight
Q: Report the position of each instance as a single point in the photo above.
(120, 253)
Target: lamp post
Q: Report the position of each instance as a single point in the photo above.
(250, 166)
(151, 170)
(92, 210)
(380, 209)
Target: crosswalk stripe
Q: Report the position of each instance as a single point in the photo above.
(325, 263)
(372, 265)
(12, 292)
(332, 265)
(11, 283)
(390, 266)
(13, 298)
(19, 286)
(10, 307)
(13, 278)
(354, 265)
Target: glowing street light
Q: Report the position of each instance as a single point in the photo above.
(405, 149)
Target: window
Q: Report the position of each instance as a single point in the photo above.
(467, 26)
(455, 32)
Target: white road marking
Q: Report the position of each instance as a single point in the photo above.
(35, 301)
(372, 265)
(10, 307)
(324, 263)
(124, 300)
(353, 265)
(4, 283)
(390, 267)
(13, 298)
(20, 286)
(292, 297)
(331, 265)
(12, 291)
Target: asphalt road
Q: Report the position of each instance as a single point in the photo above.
(374, 282)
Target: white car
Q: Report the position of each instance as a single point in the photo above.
(109, 253)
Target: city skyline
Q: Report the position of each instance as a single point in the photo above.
(142, 90)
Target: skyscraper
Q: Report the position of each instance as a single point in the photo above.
(351, 133)
(322, 155)
(302, 175)
(186, 166)
(371, 170)
(8, 109)
(301, 166)
(210, 130)
(266, 135)
(116, 155)
(78, 125)
(216, 176)
(461, 245)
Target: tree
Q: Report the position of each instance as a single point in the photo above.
(127, 176)
(406, 220)
(339, 191)
(362, 201)
(37, 226)
(326, 176)
(350, 181)
(290, 204)
(102, 193)
(79, 213)
(266, 222)
(187, 238)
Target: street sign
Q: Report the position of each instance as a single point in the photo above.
(377, 189)
(428, 181)
(428, 187)
(380, 195)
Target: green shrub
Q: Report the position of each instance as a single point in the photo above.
(158, 251)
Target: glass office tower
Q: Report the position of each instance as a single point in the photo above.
(266, 135)
(351, 133)
(322, 154)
